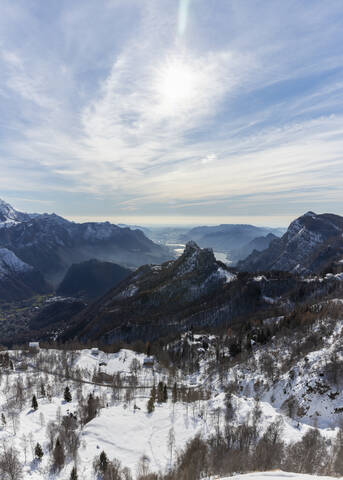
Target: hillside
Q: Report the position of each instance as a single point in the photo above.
(194, 290)
(226, 409)
(91, 278)
(311, 244)
(18, 280)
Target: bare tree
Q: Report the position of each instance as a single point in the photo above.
(10, 467)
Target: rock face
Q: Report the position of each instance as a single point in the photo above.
(18, 280)
(155, 296)
(311, 243)
(52, 244)
(91, 279)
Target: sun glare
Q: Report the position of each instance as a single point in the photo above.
(176, 83)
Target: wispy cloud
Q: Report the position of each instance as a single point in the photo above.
(190, 109)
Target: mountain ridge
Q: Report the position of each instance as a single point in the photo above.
(311, 243)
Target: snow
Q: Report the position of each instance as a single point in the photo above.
(229, 277)
(130, 291)
(9, 263)
(145, 434)
(259, 278)
(276, 475)
(126, 431)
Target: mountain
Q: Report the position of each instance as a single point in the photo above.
(228, 237)
(194, 290)
(91, 278)
(18, 280)
(9, 216)
(52, 244)
(311, 243)
(259, 244)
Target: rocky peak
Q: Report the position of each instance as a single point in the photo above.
(197, 259)
(7, 212)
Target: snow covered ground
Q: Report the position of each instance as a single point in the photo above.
(124, 429)
(276, 475)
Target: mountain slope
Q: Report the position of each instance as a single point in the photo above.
(311, 243)
(194, 290)
(52, 244)
(226, 237)
(91, 278)
(258, 243)
(9, 216)
(18, 280)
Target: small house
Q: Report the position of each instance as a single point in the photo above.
(95, 351)
(148, 362)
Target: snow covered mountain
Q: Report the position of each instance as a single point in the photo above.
(52, 244)
(311, 244)
(9, 216)
(18, 280)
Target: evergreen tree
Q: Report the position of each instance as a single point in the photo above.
(160, 395)
(151, 405)
(3, 420)
(174, 393)
(153, 393)
(73, 475)
(38, 451)
(165, 393)
(103, 462)
(67, 395)
(42, 390)
(34, 403)
(58, 455)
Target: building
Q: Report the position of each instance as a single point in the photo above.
(34, 346)
(148, 362)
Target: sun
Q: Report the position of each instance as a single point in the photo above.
(176, 83)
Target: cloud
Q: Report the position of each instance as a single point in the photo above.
(175, 111)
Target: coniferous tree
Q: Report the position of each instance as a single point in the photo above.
(153, 392)
(160, 396)
(38, 451)
(165, 393)
(42, 390)
(103, 462)
(58, 455)
(73, 474)
(3, 420)
(67, 395)
(174, 393)
(34, 403)
(151, 405)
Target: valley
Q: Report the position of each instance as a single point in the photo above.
(191, 368)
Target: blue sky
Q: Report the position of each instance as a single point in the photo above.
(160, 111)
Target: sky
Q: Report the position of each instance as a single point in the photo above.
(168, 111)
